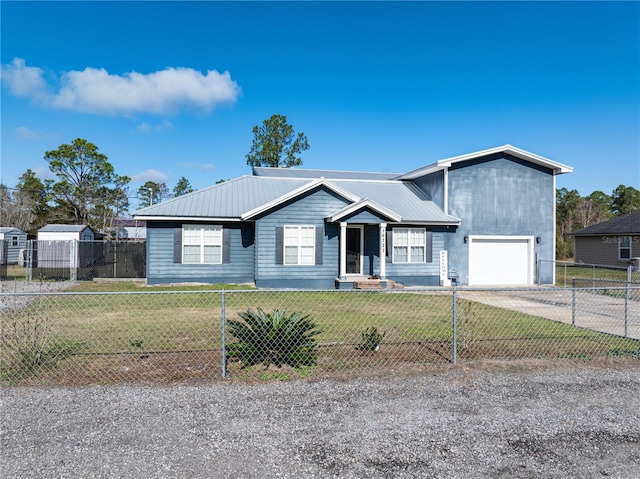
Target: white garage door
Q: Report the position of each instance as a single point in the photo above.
(500, 260)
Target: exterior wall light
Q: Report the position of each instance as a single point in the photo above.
(538, 239)
(466, 239)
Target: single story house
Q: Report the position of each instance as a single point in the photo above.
(12, 242)
(612, 243)
(479, 219)
(58, 246)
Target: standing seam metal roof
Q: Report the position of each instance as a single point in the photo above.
(233, 198)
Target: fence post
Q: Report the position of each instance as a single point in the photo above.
(627, 295)
(455, 327)
(565, 275)
(223, 331)
(30, 261)
(573, 302)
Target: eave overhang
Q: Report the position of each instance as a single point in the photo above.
(558, 168)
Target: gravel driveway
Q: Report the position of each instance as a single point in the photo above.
(493, 420)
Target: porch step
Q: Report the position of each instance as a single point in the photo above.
(376, 284)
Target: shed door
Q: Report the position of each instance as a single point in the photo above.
(500, 260)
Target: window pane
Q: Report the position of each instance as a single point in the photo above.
(191, 254)
(291, 255)
(417, 254)
(213, 235)
(290, 235)
(400, 236)
(212, 254)
(307, 235)
(417, 237)
(306, 255)
(400, 254)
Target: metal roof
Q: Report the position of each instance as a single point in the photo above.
(558, 168)
(63, 228)
(328, 174)
(10, 229)
(626, 224)
(247, 196)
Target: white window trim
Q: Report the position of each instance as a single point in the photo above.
(201, 243)
(409, 245)
(620, 248)
(297, 245)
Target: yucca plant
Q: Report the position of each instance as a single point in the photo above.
(274, 339)
(371, 339)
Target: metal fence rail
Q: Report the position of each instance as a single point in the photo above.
(84, 338)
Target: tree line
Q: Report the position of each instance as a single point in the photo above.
(574, 212)
(86, 191)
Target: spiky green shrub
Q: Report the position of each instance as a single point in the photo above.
(273, 339)
(371, 339)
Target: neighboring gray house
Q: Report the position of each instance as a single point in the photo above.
(12, 241)
(482, 218)
(130, 229)
(613, 243)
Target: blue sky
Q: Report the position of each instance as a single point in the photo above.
(171, 89)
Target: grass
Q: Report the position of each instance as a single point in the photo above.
(169, 335)
(598, 275)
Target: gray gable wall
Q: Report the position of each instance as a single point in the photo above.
(310, 209)
(501, 195)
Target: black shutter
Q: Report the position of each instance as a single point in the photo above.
(177, 245)
(429, 246)
(226, 245)
(279, 244)
(389, 247)
(319, 238)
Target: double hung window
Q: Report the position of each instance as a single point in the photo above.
(202, 244)
(299, 245)
(409, 245)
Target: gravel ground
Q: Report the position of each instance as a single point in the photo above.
(493, 420)
(18, 287)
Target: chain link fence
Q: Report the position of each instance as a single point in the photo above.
(161, 337)
(566, 271)
(77, 261)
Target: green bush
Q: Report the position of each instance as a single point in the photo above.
(273, 339)
(371, 339)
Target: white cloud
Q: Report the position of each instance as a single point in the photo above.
(44, 173)
(23, 80)
(93, 90)
(149, 175)
(198, 166)
(146, 127)
(25, 133)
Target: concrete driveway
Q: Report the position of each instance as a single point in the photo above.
(586, 308)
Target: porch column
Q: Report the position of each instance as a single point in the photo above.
(383, 250)
(343, 250)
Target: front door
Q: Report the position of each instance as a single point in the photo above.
(354, 250)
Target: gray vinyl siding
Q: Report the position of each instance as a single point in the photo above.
(161, 268)
(433, 186)
(500, 195)
(309, 209)
(364, 217)
(11, 253)
(603, 250)
(418, 273)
